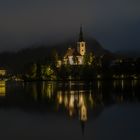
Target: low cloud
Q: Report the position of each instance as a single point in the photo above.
(27, 22)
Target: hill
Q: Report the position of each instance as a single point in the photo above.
(15, 61)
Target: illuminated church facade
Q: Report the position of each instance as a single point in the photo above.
(75, 56)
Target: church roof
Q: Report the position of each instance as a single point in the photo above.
(72, 52)
(81, 38)
(76, 53)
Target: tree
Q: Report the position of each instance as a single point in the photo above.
(31, 71)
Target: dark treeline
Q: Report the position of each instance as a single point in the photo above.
(94, 68)
(16, 62)
(40, 63)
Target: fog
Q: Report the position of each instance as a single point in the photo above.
(114, 23)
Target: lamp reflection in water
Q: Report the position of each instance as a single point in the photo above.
(83, 116)
(71, 105)
(47, 89)
(2, 88)
(66, 100)
(134, 84)
(60, 97)
(75, 103)
(72, 101)
(122, 84)
(82, 109)
(43, 90)
(114, 84)
(99, 84)
(91, 100)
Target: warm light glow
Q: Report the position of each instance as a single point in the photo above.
(81, 100)
(91, 100)
(49, 90)
(83, 113)
(122, 76)
(2, 83)
(2, 88)
(120, 61)
(122, 84)
(71, 102)
(2, 72)
(82, 108)
(70, 112)
(65, 100)
(99, 84)
(81, 47)
(60, 98)
(59, 63)
(98, 76)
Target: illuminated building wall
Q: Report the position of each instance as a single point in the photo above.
(75, 56)
(81, 48)
(2, 72)
(2, 88)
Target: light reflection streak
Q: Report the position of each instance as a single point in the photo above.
(99, 84)
(60, 97)
(122, 84)
(75, 99)
(73, 102)
(78, 100)
(2, 88)
(91, 100)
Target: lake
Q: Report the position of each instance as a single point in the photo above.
(74, 110)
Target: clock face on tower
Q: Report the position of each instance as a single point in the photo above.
(82, 48)
(81, 44)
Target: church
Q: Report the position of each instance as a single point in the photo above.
(75, 55)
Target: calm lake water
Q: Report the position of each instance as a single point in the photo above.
(99, 110)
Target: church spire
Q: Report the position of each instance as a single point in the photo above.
(81, 34)
(81, 44)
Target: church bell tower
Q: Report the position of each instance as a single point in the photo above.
(81, 44)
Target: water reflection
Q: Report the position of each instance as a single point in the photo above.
(75, 99)
(73, 102)
(70, 94)
(2, 88)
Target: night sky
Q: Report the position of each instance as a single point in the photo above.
(114, 23)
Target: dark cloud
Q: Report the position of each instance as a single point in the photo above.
(112, 22)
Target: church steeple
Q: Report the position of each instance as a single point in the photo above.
(81, 34)
(81, 44)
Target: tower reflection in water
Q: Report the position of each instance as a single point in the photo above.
(73, 100)
(81, 99)
(73, 97)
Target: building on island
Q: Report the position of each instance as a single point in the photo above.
(2, 72)
(75, 55)
(2, 88)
